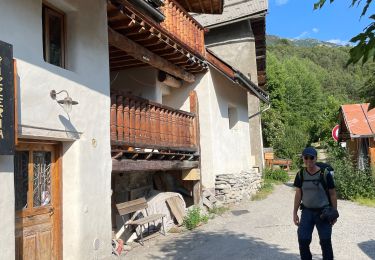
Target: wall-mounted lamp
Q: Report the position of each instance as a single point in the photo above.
(67, 102)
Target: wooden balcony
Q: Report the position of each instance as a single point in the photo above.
(182, 25)
(175, 46)
(138, 124)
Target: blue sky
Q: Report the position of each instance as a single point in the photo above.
(296, 19)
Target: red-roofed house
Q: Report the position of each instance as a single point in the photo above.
(357, 128)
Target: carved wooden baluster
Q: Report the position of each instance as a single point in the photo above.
(143, 123)
(186, 131)
(113, 118)
(126, 119)
(137, 121)
(132, 122)
(174, 136)
(157, 126)
(153, 124)
(120, 119)
(161, 119)
(170, 134)
(179, 130)
(148, 124)
(196, 35)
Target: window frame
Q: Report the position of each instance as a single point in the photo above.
(47, 11)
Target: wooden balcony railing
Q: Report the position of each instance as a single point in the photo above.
(182, 25)
(138, 122)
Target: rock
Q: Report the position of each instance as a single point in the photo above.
(220, 198)
(222, 186)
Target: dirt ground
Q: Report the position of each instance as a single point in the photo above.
(263, 230)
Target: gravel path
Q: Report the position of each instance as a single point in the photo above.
(264, 230)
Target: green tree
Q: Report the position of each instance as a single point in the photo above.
(365, 48)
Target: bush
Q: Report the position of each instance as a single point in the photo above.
(277, 175)
(194, 217)
(351, 183)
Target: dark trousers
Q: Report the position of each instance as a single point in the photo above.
(309, 219)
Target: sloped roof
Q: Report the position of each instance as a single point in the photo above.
(359, 121)
(236, 76)
(202, 6)
(233, 10)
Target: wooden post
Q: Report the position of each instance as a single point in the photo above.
(15, 84)
(197, 191)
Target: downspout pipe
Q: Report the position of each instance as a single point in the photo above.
(155, 13)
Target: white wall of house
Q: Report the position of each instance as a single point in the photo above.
(140, 82)
(7, 240)
(86, 161)
(223, 150)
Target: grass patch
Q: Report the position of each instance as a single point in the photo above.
(218, 210)
(194, 218)
(365, 202)
(265, 189)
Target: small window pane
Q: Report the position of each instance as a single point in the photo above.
(42, 178)
(21, 179)
(53, 36)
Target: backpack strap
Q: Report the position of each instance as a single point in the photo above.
(323, 181)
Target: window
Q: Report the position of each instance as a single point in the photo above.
(53, 36)
(233, 117)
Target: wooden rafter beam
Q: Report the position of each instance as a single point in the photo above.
(127, 165)
(141, 53)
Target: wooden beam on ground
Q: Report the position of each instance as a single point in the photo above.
(127, 165)
(140, 53)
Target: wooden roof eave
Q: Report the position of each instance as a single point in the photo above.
(157, 27)
(166, 40)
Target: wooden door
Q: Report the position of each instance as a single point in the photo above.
(38, 202)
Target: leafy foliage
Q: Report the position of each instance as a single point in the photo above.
(277, 175)
(365, 48)
(194, 218)
(351, 183)
(307, 85)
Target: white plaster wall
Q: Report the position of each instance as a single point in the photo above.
(223, 150)
(86, 161)
(141, 82)
(7, 240)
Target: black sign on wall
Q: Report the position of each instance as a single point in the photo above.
(6, 99)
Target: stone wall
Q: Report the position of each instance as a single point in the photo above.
(232, 188)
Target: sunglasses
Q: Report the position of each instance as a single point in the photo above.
(308, 157)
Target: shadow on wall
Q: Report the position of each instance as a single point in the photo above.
(368, 247)
(71, 131)
(221, 245)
